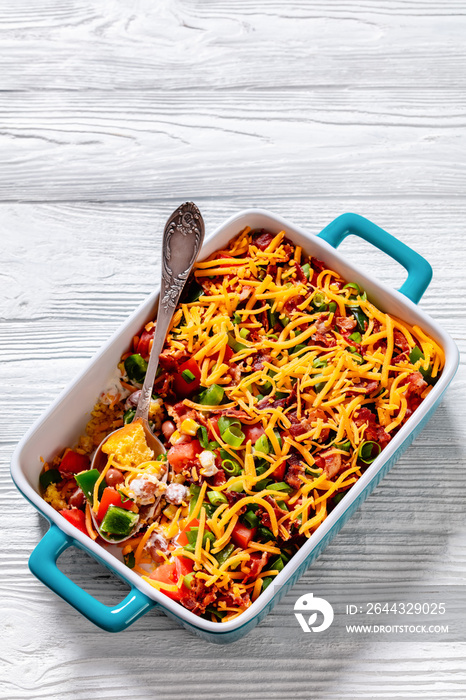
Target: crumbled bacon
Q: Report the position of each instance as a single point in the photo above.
(257, 563)
(235, 373)
(258, 361)
(292, 305)
(293, 472)
(329, 462)
(199, 596)
(367, 385)
(304, 425)
(326, 340)
(235, 413)
(400, 340)
(345, 323)
(219, 478)
(318, 264)
(279, 513)
(233, 497)
(262, 238)
(170, 360)
(402, 357)
(300, 273)
(179, 412)
(245, 292)
(373, 431)
(416, 385)
(230, 599)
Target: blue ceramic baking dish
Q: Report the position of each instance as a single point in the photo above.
(65, 420)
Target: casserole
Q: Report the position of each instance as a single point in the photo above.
(45, 439)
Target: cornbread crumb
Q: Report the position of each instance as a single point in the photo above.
(53, 496)
(129, 446)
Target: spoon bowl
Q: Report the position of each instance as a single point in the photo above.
(99, 462)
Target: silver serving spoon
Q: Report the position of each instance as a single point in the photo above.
(182, 240)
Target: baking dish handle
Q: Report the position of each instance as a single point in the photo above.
(43, 564)
(418, 269)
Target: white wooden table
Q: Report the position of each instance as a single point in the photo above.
(113, 112)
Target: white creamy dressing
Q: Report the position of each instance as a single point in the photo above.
(114, 387)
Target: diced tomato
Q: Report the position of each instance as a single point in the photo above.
(144, 342)
(111, 497)
(183, 387)
(182, 538)
(73, 462)
(214, 422)
(279, 472)
(76, 517)
(226, 357)
(171, 573)
(253, 432)
(180, 456)
(242, 535)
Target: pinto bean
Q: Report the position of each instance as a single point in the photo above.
(168, 428)
(76, 499)
(114, 477)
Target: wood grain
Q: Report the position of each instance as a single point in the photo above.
(107, 44)
(142, 145)
(111, 114)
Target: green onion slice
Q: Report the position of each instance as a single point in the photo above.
(262, 445)
(188, 376)
(231, 467)
(366, 451)
(216, 498)
(233, 436)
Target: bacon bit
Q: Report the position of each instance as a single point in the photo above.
(199, 596)
(235, 413)
(299, 427)
(416, 383)
(262, 238)
(368, 386)
(300, 273)
(403, 357)
(318, 264)
(258, 361)
(170, 360)
(257, 564)
(231, 599)
(381, 345)
(179, 412)
(279, 513)
(292, 305)
(232, 498)
(416, 386)
(400, 340)
(219, 478)
(245, 293)
(373, 431)
(345, 323)
(323, 336)
(294, 471)
(330, 463)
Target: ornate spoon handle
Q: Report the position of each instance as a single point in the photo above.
(182, 241)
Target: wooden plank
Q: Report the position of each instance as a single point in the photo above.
(105, 45)
(189, 144)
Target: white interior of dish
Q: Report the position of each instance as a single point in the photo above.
(66, 418)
